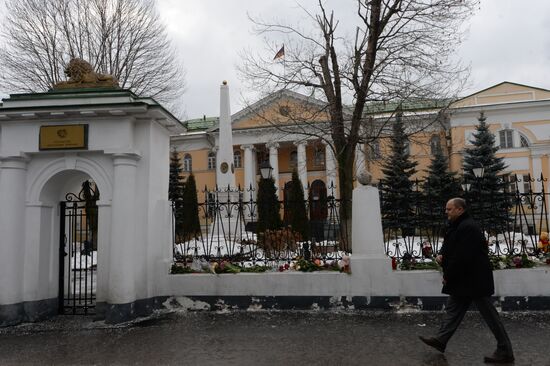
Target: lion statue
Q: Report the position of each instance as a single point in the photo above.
(82, 75)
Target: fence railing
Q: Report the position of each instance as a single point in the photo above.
(510, 229)
(227, 230)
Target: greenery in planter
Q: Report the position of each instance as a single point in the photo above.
(178, 269)
(512, 261)
(409, 263)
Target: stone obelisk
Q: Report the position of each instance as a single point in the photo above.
(225, 170)
(228, 223)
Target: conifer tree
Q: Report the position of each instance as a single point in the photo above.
(175, 191)
(297, 207)
(488, 201)
(190, 224)
(268, 206)
(440, 186)
(396, 186)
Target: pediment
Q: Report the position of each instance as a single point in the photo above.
(281, 108)
(505, 92)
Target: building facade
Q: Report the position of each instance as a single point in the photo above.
(290, 131)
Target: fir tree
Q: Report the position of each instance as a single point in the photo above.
(297, 208)
(488, 201)
(440, 186)
(268, 206)
(396, 186)
(190, 225)
(175, 191)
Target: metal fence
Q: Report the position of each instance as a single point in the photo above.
(524, 217)
(229, 231)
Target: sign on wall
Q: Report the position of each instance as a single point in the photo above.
(62, 137)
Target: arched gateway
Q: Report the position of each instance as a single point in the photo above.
(50, 145)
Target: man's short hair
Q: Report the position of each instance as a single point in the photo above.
(459, 202)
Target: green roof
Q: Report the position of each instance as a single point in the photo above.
(199, 124)
(410, 105)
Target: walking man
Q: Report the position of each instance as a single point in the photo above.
(467, 278)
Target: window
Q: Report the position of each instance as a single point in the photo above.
(523, 141)
(211, 160)
(407, 147)
(237, 159)
(506, 139)
(526, 183)
(187, 163)
(374, 150)
(293, 159)
(509, 183)
(435, 144)
(319, 155)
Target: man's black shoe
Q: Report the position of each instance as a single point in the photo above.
(498, 358)
(433, 342)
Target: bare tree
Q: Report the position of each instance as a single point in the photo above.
(123, 38)
(399, 50)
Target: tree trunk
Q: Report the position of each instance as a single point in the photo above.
(345, 180)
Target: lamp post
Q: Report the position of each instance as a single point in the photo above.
(267, 203)
(265, 170)
(479, 172)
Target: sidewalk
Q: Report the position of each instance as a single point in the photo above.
(269, 338)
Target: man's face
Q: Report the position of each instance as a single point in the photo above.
(452, 211)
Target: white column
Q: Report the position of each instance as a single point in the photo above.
(537, 170)
(302, 163)
(274, 162)
(249, 170)
(330, 166)
(122, 286)
(360, 166)
(12, 229)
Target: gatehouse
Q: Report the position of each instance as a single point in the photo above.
(79, 170)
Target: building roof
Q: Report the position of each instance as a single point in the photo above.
(201, 124)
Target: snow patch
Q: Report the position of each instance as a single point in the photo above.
(182, 303)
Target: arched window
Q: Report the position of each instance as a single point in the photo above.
(506, 140)
(212, 160)
(319, 155)
(523, 141)
(237, 159)
(407, 147)
(187, 163)
(435, 144)
(293, 159)
(374, 150)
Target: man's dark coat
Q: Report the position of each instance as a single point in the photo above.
(466, 267)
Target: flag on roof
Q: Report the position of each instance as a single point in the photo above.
(280, 53)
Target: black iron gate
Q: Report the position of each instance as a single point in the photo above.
(78, 251)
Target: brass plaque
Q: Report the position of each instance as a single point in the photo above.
(63, 137)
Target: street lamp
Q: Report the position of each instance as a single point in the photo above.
(478, 172)
(466, 187)
(265, 170)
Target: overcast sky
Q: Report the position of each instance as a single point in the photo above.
(508, 40)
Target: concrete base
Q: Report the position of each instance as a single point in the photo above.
(29, 311)
(118, 313)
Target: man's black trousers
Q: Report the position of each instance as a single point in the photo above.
(455, 311)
